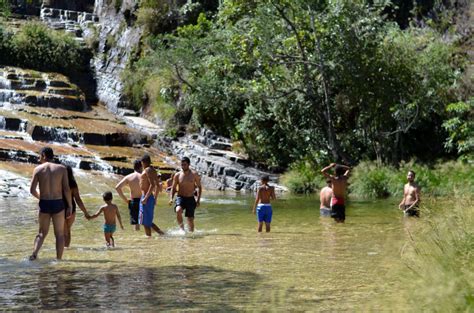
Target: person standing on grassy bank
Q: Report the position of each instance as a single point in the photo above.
(325, 199)
(411, 196)
(339, 187)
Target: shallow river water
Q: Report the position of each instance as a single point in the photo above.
(306, 263)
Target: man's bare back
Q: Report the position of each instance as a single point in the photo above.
(266, 194)
(51, 179)
(339, 186)
(147, 178)
(325, 197)
(133, 182)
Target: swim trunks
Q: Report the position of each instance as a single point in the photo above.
(338, 209)
(110, 228)
(187, 203)
(412, 212)
(133, 209)
(264, 212)
(146, 212)
(51, 206)
(325, 211)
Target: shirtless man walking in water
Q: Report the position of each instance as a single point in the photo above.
(411, 196)
(149, 186)
(53, 183)
(133, 182)
(339, 187)
(185, 183)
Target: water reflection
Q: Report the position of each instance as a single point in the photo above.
(169, 287)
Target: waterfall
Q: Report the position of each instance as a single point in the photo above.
(70, 160)
(101, 165)
(2, 122)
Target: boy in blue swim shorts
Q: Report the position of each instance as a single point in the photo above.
(262, 206)
(111, 213)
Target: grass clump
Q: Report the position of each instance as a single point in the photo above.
(440, 259)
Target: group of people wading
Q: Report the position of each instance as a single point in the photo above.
(59, 195)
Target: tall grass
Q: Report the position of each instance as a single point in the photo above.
(440, 259)
(453, 178)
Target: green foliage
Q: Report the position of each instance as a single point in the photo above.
(299, 79)
(35, 46)
(303, 178)
(4, 8)
(460, 127)
(372, 180)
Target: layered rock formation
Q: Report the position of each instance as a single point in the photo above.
(219, 167)
(118, 37)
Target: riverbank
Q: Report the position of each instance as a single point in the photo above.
(439, 275)
(370, 180)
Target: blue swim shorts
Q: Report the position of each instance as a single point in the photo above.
(145, 215)
(109, 228)
(264, 213)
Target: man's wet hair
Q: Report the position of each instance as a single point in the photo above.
(413, 172)
(47, 152)
(186, 159)
(137, 165)
(329, 182)
(265, 178)
(340, 170)
(146, 158)
(107, 196)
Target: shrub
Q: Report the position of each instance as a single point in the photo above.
(37, 47)
(303, 178)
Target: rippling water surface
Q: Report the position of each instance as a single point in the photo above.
(305, 263)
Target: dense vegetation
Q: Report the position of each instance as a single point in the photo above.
(35, 46)
(305, 82)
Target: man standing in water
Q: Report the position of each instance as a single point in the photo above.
(53, 183)
(133, 182)
(339, 187)
(262, 207)
(149, 185)
(325, 199)
(411, 196)
(185, 183)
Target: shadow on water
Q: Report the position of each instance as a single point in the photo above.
(170, 287)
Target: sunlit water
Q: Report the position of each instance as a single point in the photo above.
(306, 263)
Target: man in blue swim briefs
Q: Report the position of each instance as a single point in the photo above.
(133, 182)
(185, 183)
(262, 206)
(149, 185)
(53, 183)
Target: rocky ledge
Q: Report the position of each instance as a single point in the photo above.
(220, 168)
